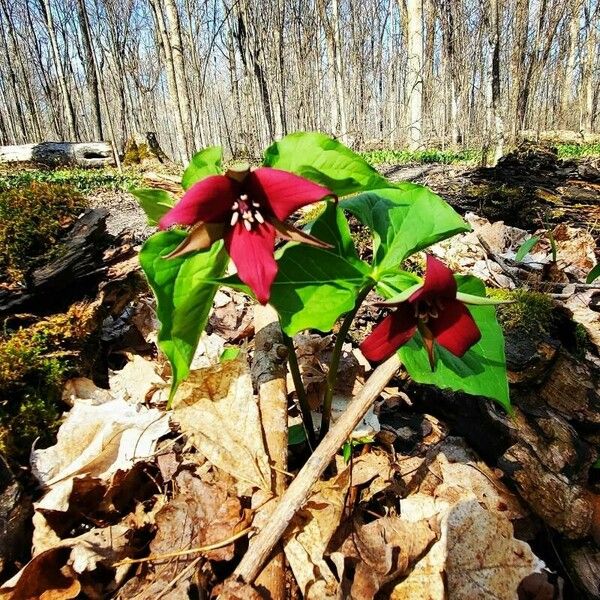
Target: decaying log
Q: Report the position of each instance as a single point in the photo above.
(528, 188)
(78, 265)
(60, 154)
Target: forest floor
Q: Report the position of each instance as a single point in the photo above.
(445, 496)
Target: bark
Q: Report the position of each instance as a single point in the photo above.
(72, 129)
(90, 67)
(77, 269)
(54, 154)
(269, 376)
(414, 78)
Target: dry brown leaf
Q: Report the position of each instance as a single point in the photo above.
(383, 550)
(136, 380)
(307, 538)
(45, 577)
(199, 515)
(94, 443)
(476, 557)
(218, 412)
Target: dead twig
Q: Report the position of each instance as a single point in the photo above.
(297, 494)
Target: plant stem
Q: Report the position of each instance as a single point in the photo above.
(301, 392)
(335, 360)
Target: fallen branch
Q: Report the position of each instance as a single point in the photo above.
(297, 494)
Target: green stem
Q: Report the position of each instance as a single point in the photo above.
(335, 360)
(301, 392)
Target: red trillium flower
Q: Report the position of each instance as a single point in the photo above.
(246, 208)
(435, 309)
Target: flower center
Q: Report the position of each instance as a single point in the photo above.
(426, 309)
(246, 210)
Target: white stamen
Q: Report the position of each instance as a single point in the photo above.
(259, 217)
(234, 218)
(255, 204)
(244, 197)
(235, 205)
(246, 215)
(247, 225)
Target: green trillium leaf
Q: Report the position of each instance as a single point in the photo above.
(184, 289)
(403, 221)
(155, 203)
(326, 161)
(205, 163)
(314, 287)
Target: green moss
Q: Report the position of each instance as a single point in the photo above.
(34, 363)
(83, 181)
(581, 340)
(530, 311)
(32, 219)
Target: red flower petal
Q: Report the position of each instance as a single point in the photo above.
(394, 331)
(252, 253)
(455, 328)
(208, 200)
(283, 192)
(439, 282)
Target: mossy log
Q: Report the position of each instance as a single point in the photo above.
(78, 266)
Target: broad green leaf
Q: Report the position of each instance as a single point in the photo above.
(326, 161)
(403, 222)
(296, 435)
(481, 371)
(203, 164)
(314, 287)
(593, 274)
(347, 452)
(526, 248)
(184, 289)
(155, 203)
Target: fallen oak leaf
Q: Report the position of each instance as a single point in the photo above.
(46, 577)
(218, 412)
(308, 536)
(476, 557)
(383, 550)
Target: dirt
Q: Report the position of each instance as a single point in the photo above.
(125, 213)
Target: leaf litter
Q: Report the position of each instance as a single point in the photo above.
(128, 481)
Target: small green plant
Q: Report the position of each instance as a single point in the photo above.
(578, 150)
(528, 245)
(422, 156)
(32, 219)
(83, 181)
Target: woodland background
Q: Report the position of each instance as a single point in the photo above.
(376, 73)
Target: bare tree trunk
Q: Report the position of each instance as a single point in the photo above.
(181, 148)
(90, 68)
(414, 79)
(568, 92)
(174, 33)
(492, 19)
(587, 86)
(72, 129)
